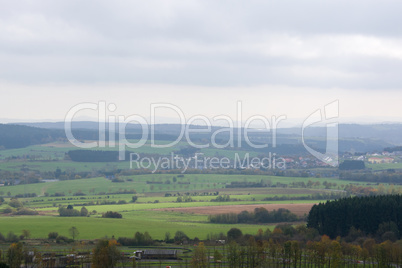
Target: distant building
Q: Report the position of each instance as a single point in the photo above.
(378, 160)
(156, 254)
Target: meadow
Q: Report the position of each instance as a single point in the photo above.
(384, 166)
(49, 157)
(157, 195)
(149, 183)
(139, 216)
(157, 224)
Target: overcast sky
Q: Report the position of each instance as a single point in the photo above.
(276, 57)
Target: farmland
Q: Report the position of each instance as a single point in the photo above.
(155, 207)
(145, 215)
(49, 157)
(176, 201)
(163, 182)
(139, 221)
(200, 134)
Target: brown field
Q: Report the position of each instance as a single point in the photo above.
(298, 209)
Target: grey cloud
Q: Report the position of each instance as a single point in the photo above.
(213, 43)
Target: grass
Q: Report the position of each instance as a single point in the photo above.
(163, 204)
(49, 157)
(139, 216)
(141, 221)
(198, 182)
(136, 217)
(384, 166)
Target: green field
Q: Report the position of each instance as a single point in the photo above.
(157, 224)
(152, 190)
(49, 157)
(384, 166)
(138, 216)
(139, 183)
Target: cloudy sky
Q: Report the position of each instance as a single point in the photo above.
(275, 57)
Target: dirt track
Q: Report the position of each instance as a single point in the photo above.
(298, 209)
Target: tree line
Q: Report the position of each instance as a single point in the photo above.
(286, 246)
(260, 215)
(352, 165)
(336, 218)
(385, 177)
(96, 156)
(70, 211)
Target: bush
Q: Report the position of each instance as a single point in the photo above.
(63, 239)
(287, 229)
(7, 210)
(122, 202)
(126, 241)
(84, 212)
(25, 195)
(15, 203)
(139, 239)
(112, 214)
(11, 237)
(79, 194)
(180, 236)
(234, 234)
(221, 198)
(134, 198)
(66, 212)
(52, 235)
(184, 199)
(26, 211)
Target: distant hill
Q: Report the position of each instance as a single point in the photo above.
(17, 136)
(20, 136)
(352, 137)
(390, 133)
